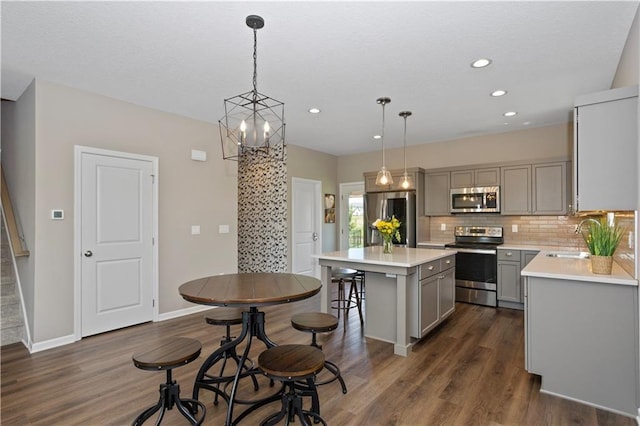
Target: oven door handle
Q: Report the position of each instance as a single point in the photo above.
(476, 251)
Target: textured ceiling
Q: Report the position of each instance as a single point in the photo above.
(187, 57)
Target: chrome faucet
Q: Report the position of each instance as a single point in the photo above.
(579, 227)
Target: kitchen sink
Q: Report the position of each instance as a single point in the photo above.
(569, 254)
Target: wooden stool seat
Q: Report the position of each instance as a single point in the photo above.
(170, 353)
(291, 361)
(293, 365)
(319, 322)
(224, 316)
(314, 322)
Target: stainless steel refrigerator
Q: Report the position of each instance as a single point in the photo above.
(384, 205)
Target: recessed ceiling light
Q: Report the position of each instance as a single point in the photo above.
(526, 123)
(498, 93)
(509, 114)
(314, 110)
(480, 63)
(377, 137)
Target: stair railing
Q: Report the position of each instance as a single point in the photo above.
(17, 241)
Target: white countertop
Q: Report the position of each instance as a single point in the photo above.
(573, 269)
(403, 257)
(535, 247)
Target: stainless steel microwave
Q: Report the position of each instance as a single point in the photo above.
(483, 199)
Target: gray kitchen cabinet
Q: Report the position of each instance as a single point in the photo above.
(581, 337)
(437, 194)
(475, 177)
(516, 190)
(509, 286)
(510, 281)
(606, 150)
(549, 189)
(433, 300)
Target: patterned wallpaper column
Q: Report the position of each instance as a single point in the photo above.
(262, 214)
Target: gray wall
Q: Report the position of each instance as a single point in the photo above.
(190, 193)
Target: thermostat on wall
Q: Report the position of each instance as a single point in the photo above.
(57, 214)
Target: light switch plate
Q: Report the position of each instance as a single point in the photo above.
(514, 228)
(223, 229)
(57, 214)
(443, 226)
(195, 229)
(198, 155)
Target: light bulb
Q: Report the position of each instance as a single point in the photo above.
(405, 184)
(243, 132)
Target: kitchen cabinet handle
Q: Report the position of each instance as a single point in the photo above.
(447, 262)
(509, 254)
(430, 268)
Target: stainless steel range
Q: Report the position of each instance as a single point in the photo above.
(477, 264)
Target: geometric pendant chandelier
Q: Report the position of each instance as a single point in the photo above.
(253, 123)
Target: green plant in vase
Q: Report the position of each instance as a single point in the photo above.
(602, 239)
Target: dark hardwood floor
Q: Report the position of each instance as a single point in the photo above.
(469, 371)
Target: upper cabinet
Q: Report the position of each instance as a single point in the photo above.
(538, 189)
(475, 177)
(527, 188)
(436, 194)
(516, 190)
(606, 150)
(550, 189)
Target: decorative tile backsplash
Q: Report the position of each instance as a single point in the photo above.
(262, 214)
(538, 230)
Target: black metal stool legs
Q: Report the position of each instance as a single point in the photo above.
(231, 354)
(292, 407)
(170, 396)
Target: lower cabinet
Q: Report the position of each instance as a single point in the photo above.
(581, 338)
(433, 298)
(510, 283)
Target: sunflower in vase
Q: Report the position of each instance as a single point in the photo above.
(389, 229)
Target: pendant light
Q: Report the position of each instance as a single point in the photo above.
(406, 182)
(384, 177)
(253, 123)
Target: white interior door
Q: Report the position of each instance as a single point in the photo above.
(306, 219)
(116, 242)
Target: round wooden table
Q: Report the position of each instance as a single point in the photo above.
(248, 290)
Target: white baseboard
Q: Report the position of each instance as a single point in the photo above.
(65, 340)
(53, 343)
(183, 312)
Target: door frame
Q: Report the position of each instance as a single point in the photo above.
(317, 195)
(344, 211)
(77, 242)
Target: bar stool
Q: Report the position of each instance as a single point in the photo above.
(360, 277)
(318, 322)
(172, 352)
(227, 317)
(343, 303)
(290, 364)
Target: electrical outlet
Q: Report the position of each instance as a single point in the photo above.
(443, 226)
(631, 240)
(514, 228)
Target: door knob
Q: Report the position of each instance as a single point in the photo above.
(314, 236)
(88, 253)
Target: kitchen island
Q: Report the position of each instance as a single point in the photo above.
(581, 331)
(397, 310)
